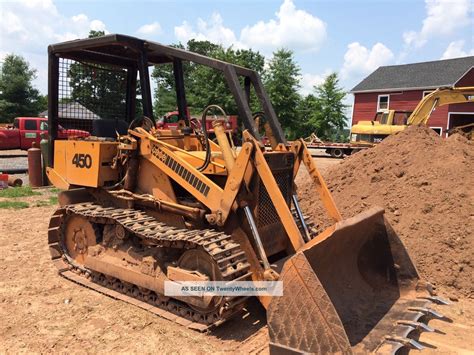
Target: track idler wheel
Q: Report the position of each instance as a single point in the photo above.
(201, 263)
(79, 235)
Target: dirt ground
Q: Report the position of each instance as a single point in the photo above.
(42, 313)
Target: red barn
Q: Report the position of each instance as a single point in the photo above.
(401, 87)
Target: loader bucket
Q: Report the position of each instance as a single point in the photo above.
(347, 291)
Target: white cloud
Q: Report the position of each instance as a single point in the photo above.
(456, 49)
(150, 29)
(27, 27)
(443, 18)
(294, 29)
(212, 30)
(81, 18)
(291, 28)
(360, 61)
(97, 25)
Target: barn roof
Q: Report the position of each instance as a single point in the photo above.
(424, 75)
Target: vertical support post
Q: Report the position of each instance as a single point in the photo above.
(270, 114)
(242, 103)
(180, 92)
(53, 97)
(247, 89)
(145, 85)
(131, 93)
(247, 83)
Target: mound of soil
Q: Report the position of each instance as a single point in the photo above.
(426, 185)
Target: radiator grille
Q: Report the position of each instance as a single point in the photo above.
(267, 213)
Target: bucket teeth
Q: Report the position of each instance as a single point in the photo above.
(410, 343)
(416, 325)
(435, 299)
(427, 312)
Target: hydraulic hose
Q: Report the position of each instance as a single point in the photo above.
(207, 159)
(145, 122)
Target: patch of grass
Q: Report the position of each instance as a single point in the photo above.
(55, 190)
(53, 200)
(14, 192)
(14, 205)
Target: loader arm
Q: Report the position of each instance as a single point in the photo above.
(302, 154)
(219, 200)
(439, 97)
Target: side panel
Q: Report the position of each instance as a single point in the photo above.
(9, 139)
(60, 158)
(88, 163)
(153, 181)
(107, 152)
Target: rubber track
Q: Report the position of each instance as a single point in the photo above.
(227, 254)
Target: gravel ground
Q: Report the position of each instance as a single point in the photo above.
(14, 162)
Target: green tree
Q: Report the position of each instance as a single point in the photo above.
(99, 88)
(308, 116)
(18, 97)
(330, 118)
(165, 94)
(282, 81)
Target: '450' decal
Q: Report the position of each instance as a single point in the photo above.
(82, 160)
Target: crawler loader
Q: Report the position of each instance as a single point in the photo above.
(142, 206)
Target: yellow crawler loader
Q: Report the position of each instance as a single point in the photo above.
(141, 207)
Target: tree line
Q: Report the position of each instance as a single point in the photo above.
(18, 97)
(321, 112)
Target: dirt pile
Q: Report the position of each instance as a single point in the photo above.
(425, 184)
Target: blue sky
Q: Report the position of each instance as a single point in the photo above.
(350, 37)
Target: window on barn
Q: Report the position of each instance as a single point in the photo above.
(382, 102)
(427, 92)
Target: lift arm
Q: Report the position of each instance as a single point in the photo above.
(439, 97)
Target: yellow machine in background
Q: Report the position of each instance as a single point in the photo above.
(146, 206)
(390, 122)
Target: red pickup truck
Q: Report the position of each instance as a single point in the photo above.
(26, 130)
